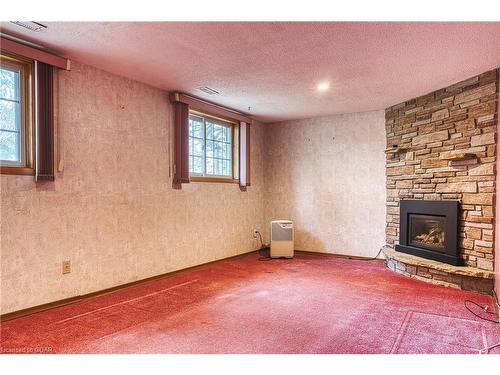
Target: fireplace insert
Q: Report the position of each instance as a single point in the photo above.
(429, 229)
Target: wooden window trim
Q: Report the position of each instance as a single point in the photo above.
(27, 166)
(22, 171)
(202, 113)
(213, 179)
(233, 179)
(21, 49)
(241, 154)
(209, 108)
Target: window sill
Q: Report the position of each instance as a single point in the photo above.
(213, 179)
(17, 170)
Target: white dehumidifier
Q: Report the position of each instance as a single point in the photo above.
(281, 239)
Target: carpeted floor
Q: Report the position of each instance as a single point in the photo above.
(309, 304)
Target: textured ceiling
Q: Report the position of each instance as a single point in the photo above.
(274, 67)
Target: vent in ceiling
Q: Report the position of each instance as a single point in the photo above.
(30, 25)
(208, 90)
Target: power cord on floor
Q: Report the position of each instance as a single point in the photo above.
(485, 310)
(488, 348)
(264, 249)
(374, 258)
(264, 254)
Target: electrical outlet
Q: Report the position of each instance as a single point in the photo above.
(66, 267)
(255, 232)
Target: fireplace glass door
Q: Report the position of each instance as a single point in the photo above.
(427, 232)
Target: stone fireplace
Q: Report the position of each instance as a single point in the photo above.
(441, 147)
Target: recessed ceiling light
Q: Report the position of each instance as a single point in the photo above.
(323, 86)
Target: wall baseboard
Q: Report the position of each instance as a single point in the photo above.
(345, 256)
(70, 300)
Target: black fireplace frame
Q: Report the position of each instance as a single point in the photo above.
(446, 209)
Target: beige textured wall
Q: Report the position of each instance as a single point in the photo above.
(328, 175)
(112, 211)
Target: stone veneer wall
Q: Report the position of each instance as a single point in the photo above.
(497, 244)
(459, 118)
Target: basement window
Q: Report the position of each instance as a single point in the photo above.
(16, 130)
(212, 148)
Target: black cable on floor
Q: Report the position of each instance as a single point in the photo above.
(261, 242)
(487, 349)
(264, 254)
(264, 249)
(374, 258)
(265, 257)
(482, 308)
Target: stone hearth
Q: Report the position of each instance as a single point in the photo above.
(467, 278)
(442, 146)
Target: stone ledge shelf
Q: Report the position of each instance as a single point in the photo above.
(466, 278)
(397, 150)
(457, 156)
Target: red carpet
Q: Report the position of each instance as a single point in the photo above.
(310, 304)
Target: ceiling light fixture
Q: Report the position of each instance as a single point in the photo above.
(323, 86)
(30, 25)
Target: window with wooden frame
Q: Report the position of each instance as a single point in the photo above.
(211, 143)
(213, 148)
(16, 115)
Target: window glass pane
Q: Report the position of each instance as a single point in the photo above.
(226, 151)
(196, 144)
(210, 166)
(196, 155)
(9, 146)
(197, 165)
(227, 168)
(218, 167)
(9, 84)
(10, 116)
(218, 149)
(227, 134)
(197, 147)
(210, 149)
(218, 132)
(195, 126)
(210, 130)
